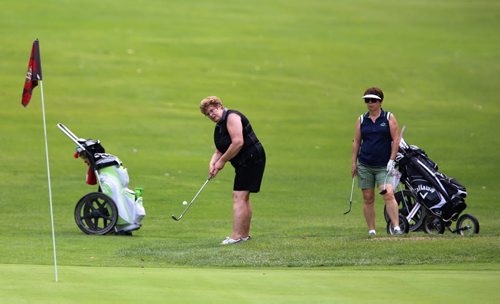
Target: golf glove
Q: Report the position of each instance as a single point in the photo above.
(390, 166)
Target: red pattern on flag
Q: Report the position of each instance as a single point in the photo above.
(33, 75)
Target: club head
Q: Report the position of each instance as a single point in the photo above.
(175, 218)
(350, 198)
(350, 207)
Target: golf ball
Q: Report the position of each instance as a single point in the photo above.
(184, 203)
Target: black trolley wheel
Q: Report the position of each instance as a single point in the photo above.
(96, 213)
(406, 203)
(467, 224)
(403, 225)
(433, 224)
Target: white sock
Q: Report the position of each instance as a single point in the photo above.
(397, 228)
(372, 231)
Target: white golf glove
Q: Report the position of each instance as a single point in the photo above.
(390, 166)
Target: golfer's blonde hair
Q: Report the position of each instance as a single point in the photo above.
(210, 101)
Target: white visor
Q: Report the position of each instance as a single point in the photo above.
(372, 96)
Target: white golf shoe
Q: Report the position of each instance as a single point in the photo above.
(229, 241)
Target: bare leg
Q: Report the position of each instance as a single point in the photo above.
(242, 214)
(369, 207)
(391, 206)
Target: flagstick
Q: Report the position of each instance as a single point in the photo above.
(48, 178)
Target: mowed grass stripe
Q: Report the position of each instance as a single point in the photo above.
(132, 75)
(35, 284)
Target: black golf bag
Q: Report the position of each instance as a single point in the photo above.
(441, 195)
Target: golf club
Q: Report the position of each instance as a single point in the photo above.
(384, 191)
(70, 134)
(192, 201)
(77, 140)
(350, 199)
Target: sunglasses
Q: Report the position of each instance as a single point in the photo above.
(371, 100)
(209, 112)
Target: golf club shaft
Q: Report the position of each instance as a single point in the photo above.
(384, 191)
(352, 189)
(70, 134)
(75, 138)
(192, 201)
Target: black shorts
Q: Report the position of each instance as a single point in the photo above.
(249, 175)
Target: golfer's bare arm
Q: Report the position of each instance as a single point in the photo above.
(355, 146)
(393, 127)
(215, 157)
(235, 129)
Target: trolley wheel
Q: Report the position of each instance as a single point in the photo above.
(434, 224)
(467, 224)
(96, 213)
(403, 225)
(406, 203)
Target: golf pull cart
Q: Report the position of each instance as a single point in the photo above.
(430, 200)
(114, 207)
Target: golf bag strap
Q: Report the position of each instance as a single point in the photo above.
(104, 160)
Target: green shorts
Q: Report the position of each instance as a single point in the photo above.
(368, 176)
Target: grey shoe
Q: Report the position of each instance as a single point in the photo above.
(397, 231)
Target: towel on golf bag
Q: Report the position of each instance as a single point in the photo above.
(91, 178)
(114, 180)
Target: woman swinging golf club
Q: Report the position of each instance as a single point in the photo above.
(235, 141)
(374, 149)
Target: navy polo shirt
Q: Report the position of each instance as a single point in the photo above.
(376, 140)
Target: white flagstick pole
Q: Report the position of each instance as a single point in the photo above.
(48, 178)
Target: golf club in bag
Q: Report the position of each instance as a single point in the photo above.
(175, 218)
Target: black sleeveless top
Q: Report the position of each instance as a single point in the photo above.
(252, 150)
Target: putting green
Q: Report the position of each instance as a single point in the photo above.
(131, 73)
(417, 284)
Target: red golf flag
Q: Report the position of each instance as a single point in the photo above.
(34, 73)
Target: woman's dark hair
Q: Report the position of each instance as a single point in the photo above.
(375, 91)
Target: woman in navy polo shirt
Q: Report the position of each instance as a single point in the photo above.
(374, 149)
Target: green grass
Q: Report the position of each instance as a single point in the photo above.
(261, 285)
(131, 73)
